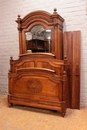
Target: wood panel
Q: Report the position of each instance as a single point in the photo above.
(68, 53)
(72, 51)
(39, 60)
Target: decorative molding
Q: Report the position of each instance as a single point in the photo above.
(49, 103)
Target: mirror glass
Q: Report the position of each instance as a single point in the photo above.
(38, 40)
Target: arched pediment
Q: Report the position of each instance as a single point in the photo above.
(39, 17)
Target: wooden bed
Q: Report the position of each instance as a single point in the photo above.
(47, 72)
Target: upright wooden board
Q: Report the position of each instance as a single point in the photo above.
(68, 53)
(72, 51)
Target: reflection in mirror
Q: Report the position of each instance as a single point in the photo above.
(38, 40)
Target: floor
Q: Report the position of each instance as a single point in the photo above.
(26, 118)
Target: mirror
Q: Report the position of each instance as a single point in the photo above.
(38, 40)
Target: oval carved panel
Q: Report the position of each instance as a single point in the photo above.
(34, 86)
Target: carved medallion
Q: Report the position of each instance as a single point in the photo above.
(34, 86)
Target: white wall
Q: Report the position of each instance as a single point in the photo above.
(73, 11)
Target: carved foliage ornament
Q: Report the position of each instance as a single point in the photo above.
(34, 86)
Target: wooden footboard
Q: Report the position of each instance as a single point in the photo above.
(40, 88)
(38, 80)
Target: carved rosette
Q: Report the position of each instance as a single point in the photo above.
(34, 86)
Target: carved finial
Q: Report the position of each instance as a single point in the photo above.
(11, 58)
(19, 21)
(19, 16)
(55, 11)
